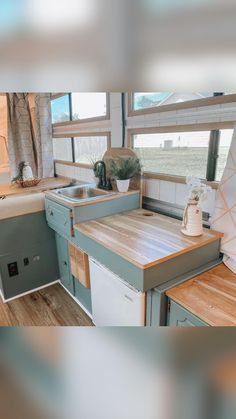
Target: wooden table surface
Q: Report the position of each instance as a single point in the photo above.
(211, 296)
(44, 184)
(142, 237)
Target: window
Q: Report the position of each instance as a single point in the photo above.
(75, 107)
(82, 149)
(88, 105)
(141, 103)
(60, 108)
(90, 148)
(183, 153)
(62, 149)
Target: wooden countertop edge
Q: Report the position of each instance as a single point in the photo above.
(66, 203)
(215, 237)
(200, 317)
(16, 190)
(188, 308)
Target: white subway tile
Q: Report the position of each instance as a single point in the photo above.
(152, 188)
(167, 191)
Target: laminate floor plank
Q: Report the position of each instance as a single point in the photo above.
(51, 306)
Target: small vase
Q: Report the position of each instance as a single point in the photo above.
(192, 219)
(27, 172)
(123, 185)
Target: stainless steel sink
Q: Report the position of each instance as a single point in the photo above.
(82, 193)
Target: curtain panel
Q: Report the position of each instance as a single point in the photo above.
(30, 132)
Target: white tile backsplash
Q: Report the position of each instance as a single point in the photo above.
(152, 189)
(174, 193)
(167, 191)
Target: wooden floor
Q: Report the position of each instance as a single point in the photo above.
(51, 306)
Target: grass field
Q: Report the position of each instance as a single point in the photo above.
(182, 161)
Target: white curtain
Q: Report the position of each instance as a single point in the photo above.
(224, 217)
(30, 132)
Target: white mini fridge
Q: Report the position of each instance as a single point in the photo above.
(114, 302)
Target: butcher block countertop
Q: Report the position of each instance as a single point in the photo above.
(44, 184)
(142, 237)
(210, 296)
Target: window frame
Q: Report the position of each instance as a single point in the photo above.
(77, 135)
(209, 101)
(214, 141)
(85, 120)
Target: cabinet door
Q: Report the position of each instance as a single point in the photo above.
(64, 265)
(180, 317)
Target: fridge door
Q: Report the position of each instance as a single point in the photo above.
(114, 303)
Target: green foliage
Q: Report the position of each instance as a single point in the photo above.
(124, 169)
(19, 176)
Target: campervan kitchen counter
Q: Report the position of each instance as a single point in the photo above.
(145, 248)
(44, 185)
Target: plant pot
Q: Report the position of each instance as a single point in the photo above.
(123, 185)
(192, 220)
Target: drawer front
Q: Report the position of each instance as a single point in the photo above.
(180, 317)
(64, 265)
(59, 218)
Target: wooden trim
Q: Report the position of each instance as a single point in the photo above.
(69, 163)
(57, 95)
(214, 100)
(84, 134)
(176, 179)
(86, 120)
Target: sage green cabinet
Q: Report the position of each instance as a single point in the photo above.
(179, 316)
(59, 218)
(64, 263)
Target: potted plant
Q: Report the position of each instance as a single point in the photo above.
(192, 219)
(124, 169)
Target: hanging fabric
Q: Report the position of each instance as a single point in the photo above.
(30, 132)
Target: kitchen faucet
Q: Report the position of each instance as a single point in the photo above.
(103, 183)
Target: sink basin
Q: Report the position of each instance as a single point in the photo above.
(82, 193)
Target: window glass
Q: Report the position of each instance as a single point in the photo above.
(60, 109)
(225, 141)
(89, 149)
(62, 149)
(150, 100)
(175, 153)
(88, 105)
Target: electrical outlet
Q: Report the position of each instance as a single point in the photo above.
(13, 269)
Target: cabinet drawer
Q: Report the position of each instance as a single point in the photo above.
(59, 217)
(179, 316)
